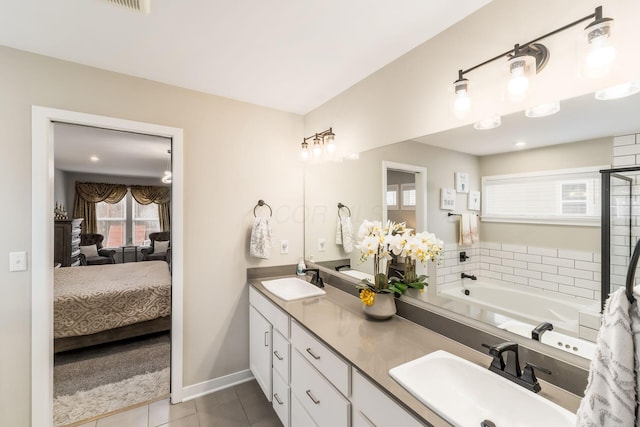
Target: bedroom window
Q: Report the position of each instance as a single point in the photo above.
(126, 222)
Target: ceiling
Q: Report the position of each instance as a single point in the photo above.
(579, 119)
(119, 153)
(284, 54)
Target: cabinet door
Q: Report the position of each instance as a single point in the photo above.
(260, 350)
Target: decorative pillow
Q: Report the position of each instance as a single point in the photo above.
(160, 246)
(89, 250)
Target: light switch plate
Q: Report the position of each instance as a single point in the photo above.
(284, 247)
(17, 261)
(322, 243)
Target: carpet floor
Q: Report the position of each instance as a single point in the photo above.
(102, 379)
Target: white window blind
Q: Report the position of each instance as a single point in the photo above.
(392, 196)
(568, 196)
(408, 192)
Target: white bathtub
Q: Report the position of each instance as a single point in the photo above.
(517, 302)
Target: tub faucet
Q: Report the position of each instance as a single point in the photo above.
(511, 369)
(468, 276)
(537, 332)
(315, 278)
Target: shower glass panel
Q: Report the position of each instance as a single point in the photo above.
(620, 226)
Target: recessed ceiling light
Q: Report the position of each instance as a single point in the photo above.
(488, 123)
(520, 144)
(543, 110)
(618, 91)
(94, 159)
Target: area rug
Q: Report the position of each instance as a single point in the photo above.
(103, 379)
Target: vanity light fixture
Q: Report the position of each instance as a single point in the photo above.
(619, 91)
(167, 177)
(323, 142)
(527, 59)
(543, 110)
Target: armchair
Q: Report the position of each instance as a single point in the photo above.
(103, 256)
(158, 254)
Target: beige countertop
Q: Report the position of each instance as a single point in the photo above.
(374, 347)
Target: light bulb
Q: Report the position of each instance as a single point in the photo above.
(330, 143)
(602, 52)
(462, 102)
(317, 148)
(521, 68)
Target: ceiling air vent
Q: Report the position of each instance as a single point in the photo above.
(139, 5)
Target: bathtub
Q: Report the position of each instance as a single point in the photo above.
(530, 306)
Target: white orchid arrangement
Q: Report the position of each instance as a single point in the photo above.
(381, 243)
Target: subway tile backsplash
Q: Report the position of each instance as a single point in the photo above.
(568, 272)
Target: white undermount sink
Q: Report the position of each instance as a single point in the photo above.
(465, 394)
(292, 288)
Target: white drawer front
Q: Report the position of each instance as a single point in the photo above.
(299, 417)
(281, 355)
(281, 399)
(326, 361)
(372, 407)
(325, 404)
(278, 318)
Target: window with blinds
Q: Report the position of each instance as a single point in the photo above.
(567, 196)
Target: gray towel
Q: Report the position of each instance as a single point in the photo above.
(260, 245)
(610, 398)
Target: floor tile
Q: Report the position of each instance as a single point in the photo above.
(138, 417)
(269, 422)
(215, 399)
(230, 413)
(188, 421)
(258, 410)
(162, 411)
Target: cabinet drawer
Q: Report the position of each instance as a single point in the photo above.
(299, 417)
(319, 355)
(277, 317)
(281, 355)
(325, 404)
(372, 407)
(281, 399)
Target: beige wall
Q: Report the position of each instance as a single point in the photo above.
(235, 154)
(411, 97)
(596, 152)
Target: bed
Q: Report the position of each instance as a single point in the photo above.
(103, 303)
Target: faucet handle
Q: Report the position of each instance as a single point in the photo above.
(497, 362)
(529, 375)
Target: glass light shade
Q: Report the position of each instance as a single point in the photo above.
(488, 123)
(167, 177)
(304, 153)
(543, 110)
(522, 70)
(462, 102)
(601, 52)
(330, 143)
(619, 91)
(317, 147)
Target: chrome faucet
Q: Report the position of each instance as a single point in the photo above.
(468, 276)
(511, 369)
(315, 278)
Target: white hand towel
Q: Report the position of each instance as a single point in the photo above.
(610, 396)
(473, 227)
(339, 231)
(260, 245)
(465, 230)
(347, 234)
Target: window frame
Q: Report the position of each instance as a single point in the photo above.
(408, 187)
(395, 189)
(591, 219)
(129, 222)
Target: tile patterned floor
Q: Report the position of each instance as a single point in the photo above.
(243, 405)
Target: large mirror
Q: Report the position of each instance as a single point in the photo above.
(529, 274)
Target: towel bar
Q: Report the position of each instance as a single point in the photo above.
(631, 273)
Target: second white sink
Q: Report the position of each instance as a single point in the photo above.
(465, 394)
(292, 288)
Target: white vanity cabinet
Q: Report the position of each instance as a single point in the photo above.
(373, 408)
(269, 352)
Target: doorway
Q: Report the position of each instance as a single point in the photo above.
(42, 248)
(404, 194)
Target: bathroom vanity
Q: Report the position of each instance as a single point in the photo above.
(320, 362)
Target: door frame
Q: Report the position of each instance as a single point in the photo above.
(421, 191)
(42, 230)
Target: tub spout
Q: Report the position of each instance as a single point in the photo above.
(468, 276)
(537, 332)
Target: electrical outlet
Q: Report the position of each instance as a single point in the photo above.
(322, 243)
(284, 247)
(17, 261)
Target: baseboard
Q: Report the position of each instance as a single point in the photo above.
(206, 387)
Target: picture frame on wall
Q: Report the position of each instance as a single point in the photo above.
(448, 198)
(473, 203)
(462, 182)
